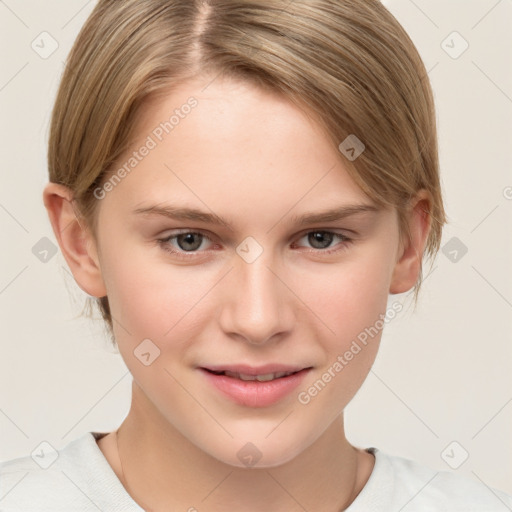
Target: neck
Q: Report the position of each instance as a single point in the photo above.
(162, 470)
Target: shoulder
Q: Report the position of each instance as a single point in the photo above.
(416, 487)
(46, 479)
(74, 478)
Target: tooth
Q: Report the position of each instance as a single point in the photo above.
(242, 376)
(231, 374)
(266, 377)
(261, 378)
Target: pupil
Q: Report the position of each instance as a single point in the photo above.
(186, 243)
(322, 237)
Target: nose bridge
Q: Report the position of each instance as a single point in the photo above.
(255, 305)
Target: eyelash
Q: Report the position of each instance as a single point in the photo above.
(164, 242)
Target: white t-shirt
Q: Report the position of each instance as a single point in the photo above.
(81, 479)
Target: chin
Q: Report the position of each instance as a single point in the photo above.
(258, 454)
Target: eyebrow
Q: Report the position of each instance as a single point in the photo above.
(180, 213)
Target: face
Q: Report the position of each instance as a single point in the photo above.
(258, 287)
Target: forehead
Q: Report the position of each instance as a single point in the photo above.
(227, 111)
(232, 145)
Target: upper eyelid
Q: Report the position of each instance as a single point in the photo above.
(176, 233)
(340, 231)
(211, 238)
(207, 234)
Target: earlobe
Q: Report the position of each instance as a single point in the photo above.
(408, 266)
(75, 239)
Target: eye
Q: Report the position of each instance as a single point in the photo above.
(186, 242)
(321, 241)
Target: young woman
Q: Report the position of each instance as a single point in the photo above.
(242, 185)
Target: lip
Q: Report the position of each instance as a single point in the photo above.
(255, 370)
(255, 393)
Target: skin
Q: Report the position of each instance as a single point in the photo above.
(256, 160)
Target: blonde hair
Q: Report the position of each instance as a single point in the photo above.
(349, 63)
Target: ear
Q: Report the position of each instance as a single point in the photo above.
(410, 254)
(75, 239)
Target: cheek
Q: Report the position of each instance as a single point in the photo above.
(138, 290)
(350, 303)
(154, 299)
(351, 295)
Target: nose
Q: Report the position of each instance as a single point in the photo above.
(257, 305)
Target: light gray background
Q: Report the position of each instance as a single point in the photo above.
(443, 373)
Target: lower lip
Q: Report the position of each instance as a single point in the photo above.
(253, 393)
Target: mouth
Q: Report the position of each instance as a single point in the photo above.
(255, 387)
(266, 377)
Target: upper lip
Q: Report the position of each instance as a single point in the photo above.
(255, 370)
